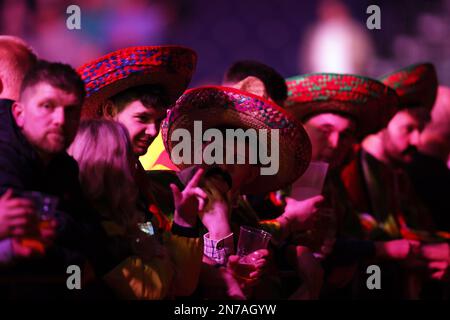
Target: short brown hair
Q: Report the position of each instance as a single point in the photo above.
(59, 75)
(273, 81)
(148, 95)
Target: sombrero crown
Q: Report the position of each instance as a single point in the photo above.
(368, 101)
(416, 85)
(219, 107)
(171, 67)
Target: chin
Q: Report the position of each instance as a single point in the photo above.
(140, 151)
(407, 160)
(52, 150)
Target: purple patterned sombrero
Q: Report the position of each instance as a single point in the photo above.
(416, 85)
(222, 107)
(171, 67)
(369, 102)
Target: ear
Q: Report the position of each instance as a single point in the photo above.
(252, 85)
(18, 113)
(108, 110)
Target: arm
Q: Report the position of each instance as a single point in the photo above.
(134, 279)
(297, 216)
(144, 272)
(6, 254)
(186, 251)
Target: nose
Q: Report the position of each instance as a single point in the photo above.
(151, 130)
(414, 138)
(59, 116)
(333, 140)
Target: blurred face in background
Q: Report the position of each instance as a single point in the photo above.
(332, 137)
(402, 136)
(241, 173)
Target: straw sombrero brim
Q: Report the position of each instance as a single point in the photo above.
(171, 67)
(416, 85)
(367, 101)
(222, 107)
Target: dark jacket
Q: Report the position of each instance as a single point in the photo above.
(431, 179)
(80, 238)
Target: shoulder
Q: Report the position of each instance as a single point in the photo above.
(14, 169)
(67, 163)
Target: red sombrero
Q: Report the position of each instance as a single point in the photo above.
(368, 101)
(169, 66)
(416, 85)
(222, 107)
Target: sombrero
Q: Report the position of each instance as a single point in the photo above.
(369, 102)
(219, 107)
(416, 85)
(169, 66)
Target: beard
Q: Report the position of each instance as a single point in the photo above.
(398, 157)
(50, 144)
(53, 144)
(337, 158)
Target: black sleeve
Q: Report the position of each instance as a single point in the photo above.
(348, 251)
(88, 239)
(431, 179)
(12, 174)
(185, 231)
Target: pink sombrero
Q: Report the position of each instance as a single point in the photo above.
(171, 67)
(222, 107)
(369, 102)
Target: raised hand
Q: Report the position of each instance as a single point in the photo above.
(216, 213)
(189, 202)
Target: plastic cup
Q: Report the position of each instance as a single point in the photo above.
(310, 184)
(250, 240)
(45, 210)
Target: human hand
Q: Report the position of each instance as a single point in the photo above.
(249, 273)
(396, 249)
(17, 216)
(437, 257)
(300, 215)
(216, 213)
(439, 270)
(188, 202)
(27, 248)
(435, 251)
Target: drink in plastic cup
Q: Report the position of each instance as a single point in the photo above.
(250, 240)
(45, 210)
(310, 184)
